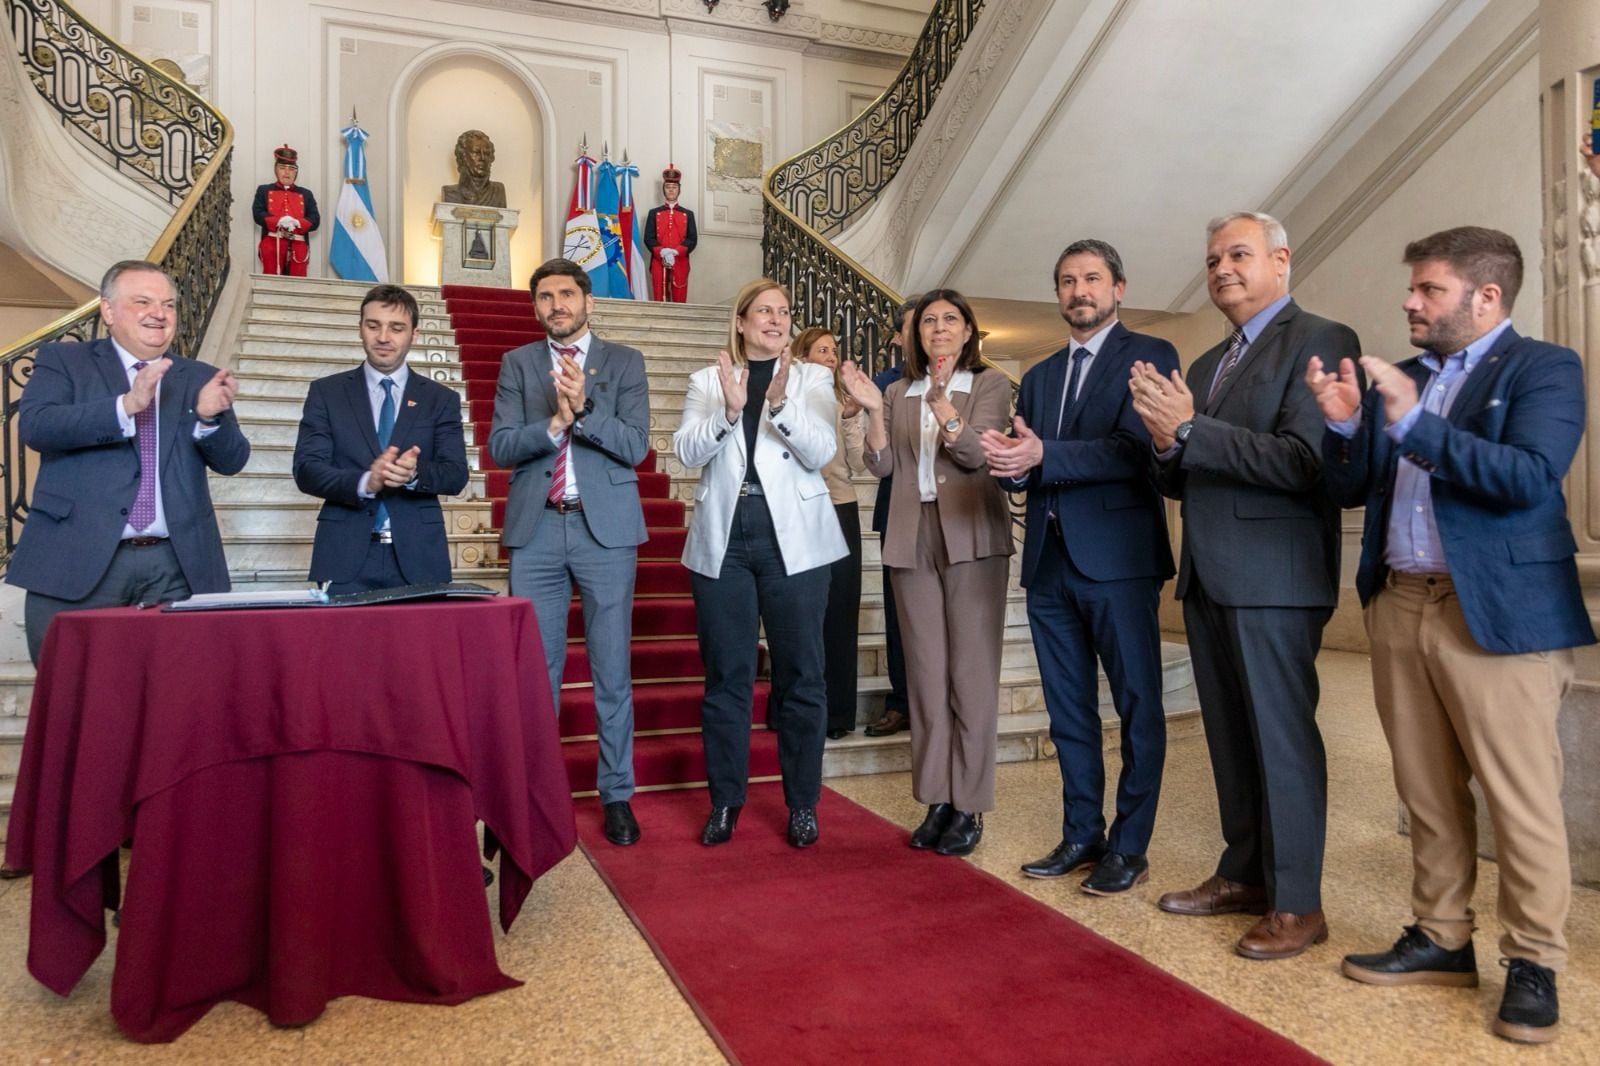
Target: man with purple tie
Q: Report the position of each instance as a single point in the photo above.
(121, 512)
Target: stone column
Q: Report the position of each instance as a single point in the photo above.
(1569, 60)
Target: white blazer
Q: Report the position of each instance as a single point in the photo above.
(791, 451)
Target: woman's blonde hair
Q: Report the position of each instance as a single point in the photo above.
(741, 307)
(802, 346)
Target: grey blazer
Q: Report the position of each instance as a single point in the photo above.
(1259, 528)
(606, 444)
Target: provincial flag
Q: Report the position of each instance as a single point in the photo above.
(582, 243)
(606, 210)
(638, 269)
(356, 251)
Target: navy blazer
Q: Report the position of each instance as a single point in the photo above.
(337, 443)
(1495, 465)
(1097, 471)
(89, 472)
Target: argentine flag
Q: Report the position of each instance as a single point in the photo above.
(356, 251)
(638, 268)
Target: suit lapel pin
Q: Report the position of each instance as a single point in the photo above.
(411, 403)
(593, 371)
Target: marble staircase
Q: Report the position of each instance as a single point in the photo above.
(296, 330)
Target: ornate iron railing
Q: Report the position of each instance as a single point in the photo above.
(827, 184)
(149, 127)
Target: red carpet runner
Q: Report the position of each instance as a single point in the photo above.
(863, 950)
(667, 673)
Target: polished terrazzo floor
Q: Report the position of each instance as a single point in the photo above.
(594, 993)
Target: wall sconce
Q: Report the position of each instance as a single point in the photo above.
(710, 5)
(775, 8)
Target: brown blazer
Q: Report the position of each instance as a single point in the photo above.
(972, 506)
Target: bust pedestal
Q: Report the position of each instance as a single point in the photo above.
(474, 244)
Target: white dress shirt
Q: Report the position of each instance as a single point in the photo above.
(927, 483)
(582, 344)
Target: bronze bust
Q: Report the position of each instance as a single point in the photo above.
(474, 157)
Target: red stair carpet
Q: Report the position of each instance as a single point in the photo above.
(667, 672)
(863, 950)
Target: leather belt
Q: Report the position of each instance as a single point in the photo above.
(572, 506)
(142, 542)
(751, 489)
(383, 536)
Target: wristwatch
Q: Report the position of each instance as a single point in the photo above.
(1181, 434)
(953, 425)
(774, 412)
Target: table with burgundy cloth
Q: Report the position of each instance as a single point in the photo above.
(301, 787)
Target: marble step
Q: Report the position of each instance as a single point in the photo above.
(291, 552)
(251, 519)
(283, 399)
(279, 458)
(273, 488)
(350, 351)
(308, 368)
(266, 432)
(1023, 737)
(275, 311)
(314, 291)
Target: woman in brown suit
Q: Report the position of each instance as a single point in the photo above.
(948, 546)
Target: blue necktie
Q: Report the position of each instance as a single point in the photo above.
(385, 431)
(1070, 397)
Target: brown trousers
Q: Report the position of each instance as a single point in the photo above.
(952, 622)
(1453, 712)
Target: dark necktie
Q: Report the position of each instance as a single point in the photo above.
(143, 513)
(385, 431)
(1070, 397)
(1230, 359)
(558, 476)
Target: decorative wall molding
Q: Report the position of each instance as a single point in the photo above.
(641, 15)
(865, 37)
(748, 14)
(715, 31)
(858, 56)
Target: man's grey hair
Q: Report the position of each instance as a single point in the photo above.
(1277, 236)
(108, 283)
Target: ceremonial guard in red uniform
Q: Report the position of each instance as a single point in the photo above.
(286, 214)
(670, 235)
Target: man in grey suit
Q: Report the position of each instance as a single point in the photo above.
(571, 421)
(121, 511)
(1259, 578)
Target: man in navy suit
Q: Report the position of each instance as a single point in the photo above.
(1473, 607)
(121, 511)
(380, 444)
(1093, 560)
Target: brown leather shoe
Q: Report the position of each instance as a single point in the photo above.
(891, 723)
(1281, 935)
(1216, 895)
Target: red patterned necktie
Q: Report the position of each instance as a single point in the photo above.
(558, 476)
(143, 513)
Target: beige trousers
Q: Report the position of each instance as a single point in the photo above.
(952, 620)
(1453, 712)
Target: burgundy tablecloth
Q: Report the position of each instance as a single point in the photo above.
(302, 785)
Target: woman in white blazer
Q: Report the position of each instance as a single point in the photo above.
(761, 428)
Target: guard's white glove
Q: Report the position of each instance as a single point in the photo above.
(669, 256)
(288, 224)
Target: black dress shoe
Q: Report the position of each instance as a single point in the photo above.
(1415, 960)
(835, 734)
(12, 873)
(962, 835)
(1065, 858)
(719, 827)
(891, 723)
(1529, 1013)
(933, 826)
(488, 877)
(1115, 874)
(622, 828)
(802, 826)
